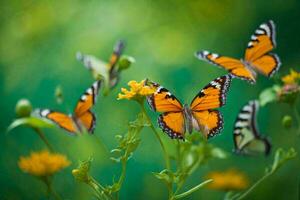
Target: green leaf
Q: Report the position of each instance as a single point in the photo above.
(269, 95)
(218, 153)
(192, 190)
(30, 121)
(165, 175)
(281, 157)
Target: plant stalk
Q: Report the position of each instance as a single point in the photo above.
(43, 138)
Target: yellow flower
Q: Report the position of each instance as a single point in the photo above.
(137, 90)
(43, 163)
(291, 78)
(228, 180)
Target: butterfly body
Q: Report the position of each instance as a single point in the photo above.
(257, 56)
(177, 119)
(82, 118)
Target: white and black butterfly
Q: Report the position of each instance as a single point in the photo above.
(247, 139)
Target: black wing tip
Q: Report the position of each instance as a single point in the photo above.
(202, 55)
(93, 126)
(268, 146)
(272, 26)
(278, 64)
(119, 46)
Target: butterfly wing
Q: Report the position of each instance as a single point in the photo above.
(88, 120)
(267, 64)
(172, 119)
(82, 111)
(62, 120)
(172, 123)
(88, 99)
(113, 72)
(162, 100)
(210, 97)
(210, 122)
(234, 66)
(262, 42)
(247, 139)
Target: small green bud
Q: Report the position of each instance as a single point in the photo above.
(23, 108)
(287, 121)
(125, 62)
(59, 94)
(82, 172)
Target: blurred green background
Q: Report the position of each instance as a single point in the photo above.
(38, 43)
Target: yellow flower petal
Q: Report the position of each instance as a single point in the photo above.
(137, 90)
(43, 163)
(228, 180)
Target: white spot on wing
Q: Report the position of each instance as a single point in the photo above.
(266, 28)
(83, 97)
(259, 32)
(45, 112)
(89, 91)
(241, 124)
(214, 56)
(244, 116)
(247, 108)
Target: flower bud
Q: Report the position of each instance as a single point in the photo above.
(125, 62)
(82, 172)
(23, 108)
(287, 121)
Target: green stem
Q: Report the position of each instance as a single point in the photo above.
(166, 156)
(96, 188)
(255, 185)
(123, 173)
(43, 138)
(51, 190)
(297, 118)
(158, 137)
(194, 189)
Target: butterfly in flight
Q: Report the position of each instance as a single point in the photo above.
(257, 56)
(176, 119)
(247, 139)
(83, 119)
(108, 71)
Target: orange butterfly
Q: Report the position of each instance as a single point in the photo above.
(82, 118)
(176, 119)
(257, 56)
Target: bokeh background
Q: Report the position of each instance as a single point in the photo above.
(38, 43)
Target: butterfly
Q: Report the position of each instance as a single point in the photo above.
(257, 56)
(82, 119)
(247, 139)
(109, 72)
(176, 119)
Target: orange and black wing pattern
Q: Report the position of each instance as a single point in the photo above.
(212, 96)
(257, 53)
(162, 100)
(172, 123)
(172, 119)
(62, 120)
(113, 72)
(82, 112)
(233, 66)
